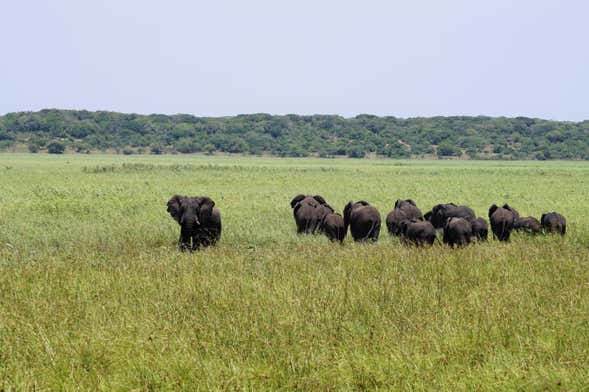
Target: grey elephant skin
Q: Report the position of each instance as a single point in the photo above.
(553, 222)
(309, 212)
(480, 229)
(441, 212)
(333, 227)
(457, 232)
(502, 222)
(199, 220)
(417, 232)
(363, 220)
(529, 225)
(403, 210)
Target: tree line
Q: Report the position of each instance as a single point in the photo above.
(293, 135)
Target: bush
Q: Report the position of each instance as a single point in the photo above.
(55, 148)
(446, 149)
(356, 152)
(157, 149)
(34, 148)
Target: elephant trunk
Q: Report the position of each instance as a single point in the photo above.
(189, 222)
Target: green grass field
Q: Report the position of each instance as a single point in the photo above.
(95, 296)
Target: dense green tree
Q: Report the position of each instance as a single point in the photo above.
(55, 148)
(447, 149)
(295, 135)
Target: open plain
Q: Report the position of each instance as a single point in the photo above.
(94, 294)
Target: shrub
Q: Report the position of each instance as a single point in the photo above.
(55, 148)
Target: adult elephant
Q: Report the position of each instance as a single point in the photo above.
(199, 220)
(441, 212)
(457, 232)
(363, 220)
(502, 222)
(513, 211)
(403, 210)
(418, 232)
(308, 212)
(553, 222)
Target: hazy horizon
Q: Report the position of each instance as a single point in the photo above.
(424, 59)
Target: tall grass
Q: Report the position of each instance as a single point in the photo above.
(95, 296)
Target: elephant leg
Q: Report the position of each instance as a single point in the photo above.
(203, 238)
(198, 240)
(300, 228)
(195, 243)
(184, 241)
(376, 233)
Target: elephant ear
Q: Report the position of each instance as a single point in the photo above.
(410, 201)
(330, 208)
(347, 212)
(319, 199)
(206, 207)
(296, 208)
(175, 207)
(397, 203)
(492, 209)
(297, 199)
(428, 215)
(542, 218)
(513, 210)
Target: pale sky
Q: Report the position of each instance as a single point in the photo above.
(225, 57)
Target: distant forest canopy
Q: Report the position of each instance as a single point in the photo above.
(56, 131)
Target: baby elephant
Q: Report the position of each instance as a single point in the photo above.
(480, 229)
(417, 232)
(528, 224)
(199, 220)
(333, 227)
(553, 222)
(457, 232)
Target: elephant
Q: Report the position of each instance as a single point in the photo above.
(457, 231)
(403, 210)
(308, 212)
(513, 211)
(333, 227)
(480, 229)
(417, 231)
(528, 224)
(502, 222)
(441, 212)
(553, 222)
(363, 220)
(199, 220)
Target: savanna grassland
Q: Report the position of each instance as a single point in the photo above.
(94, 294)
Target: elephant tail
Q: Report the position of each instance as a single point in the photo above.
(372, 229)
(504, 231)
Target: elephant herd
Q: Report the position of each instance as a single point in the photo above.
(200, 221)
